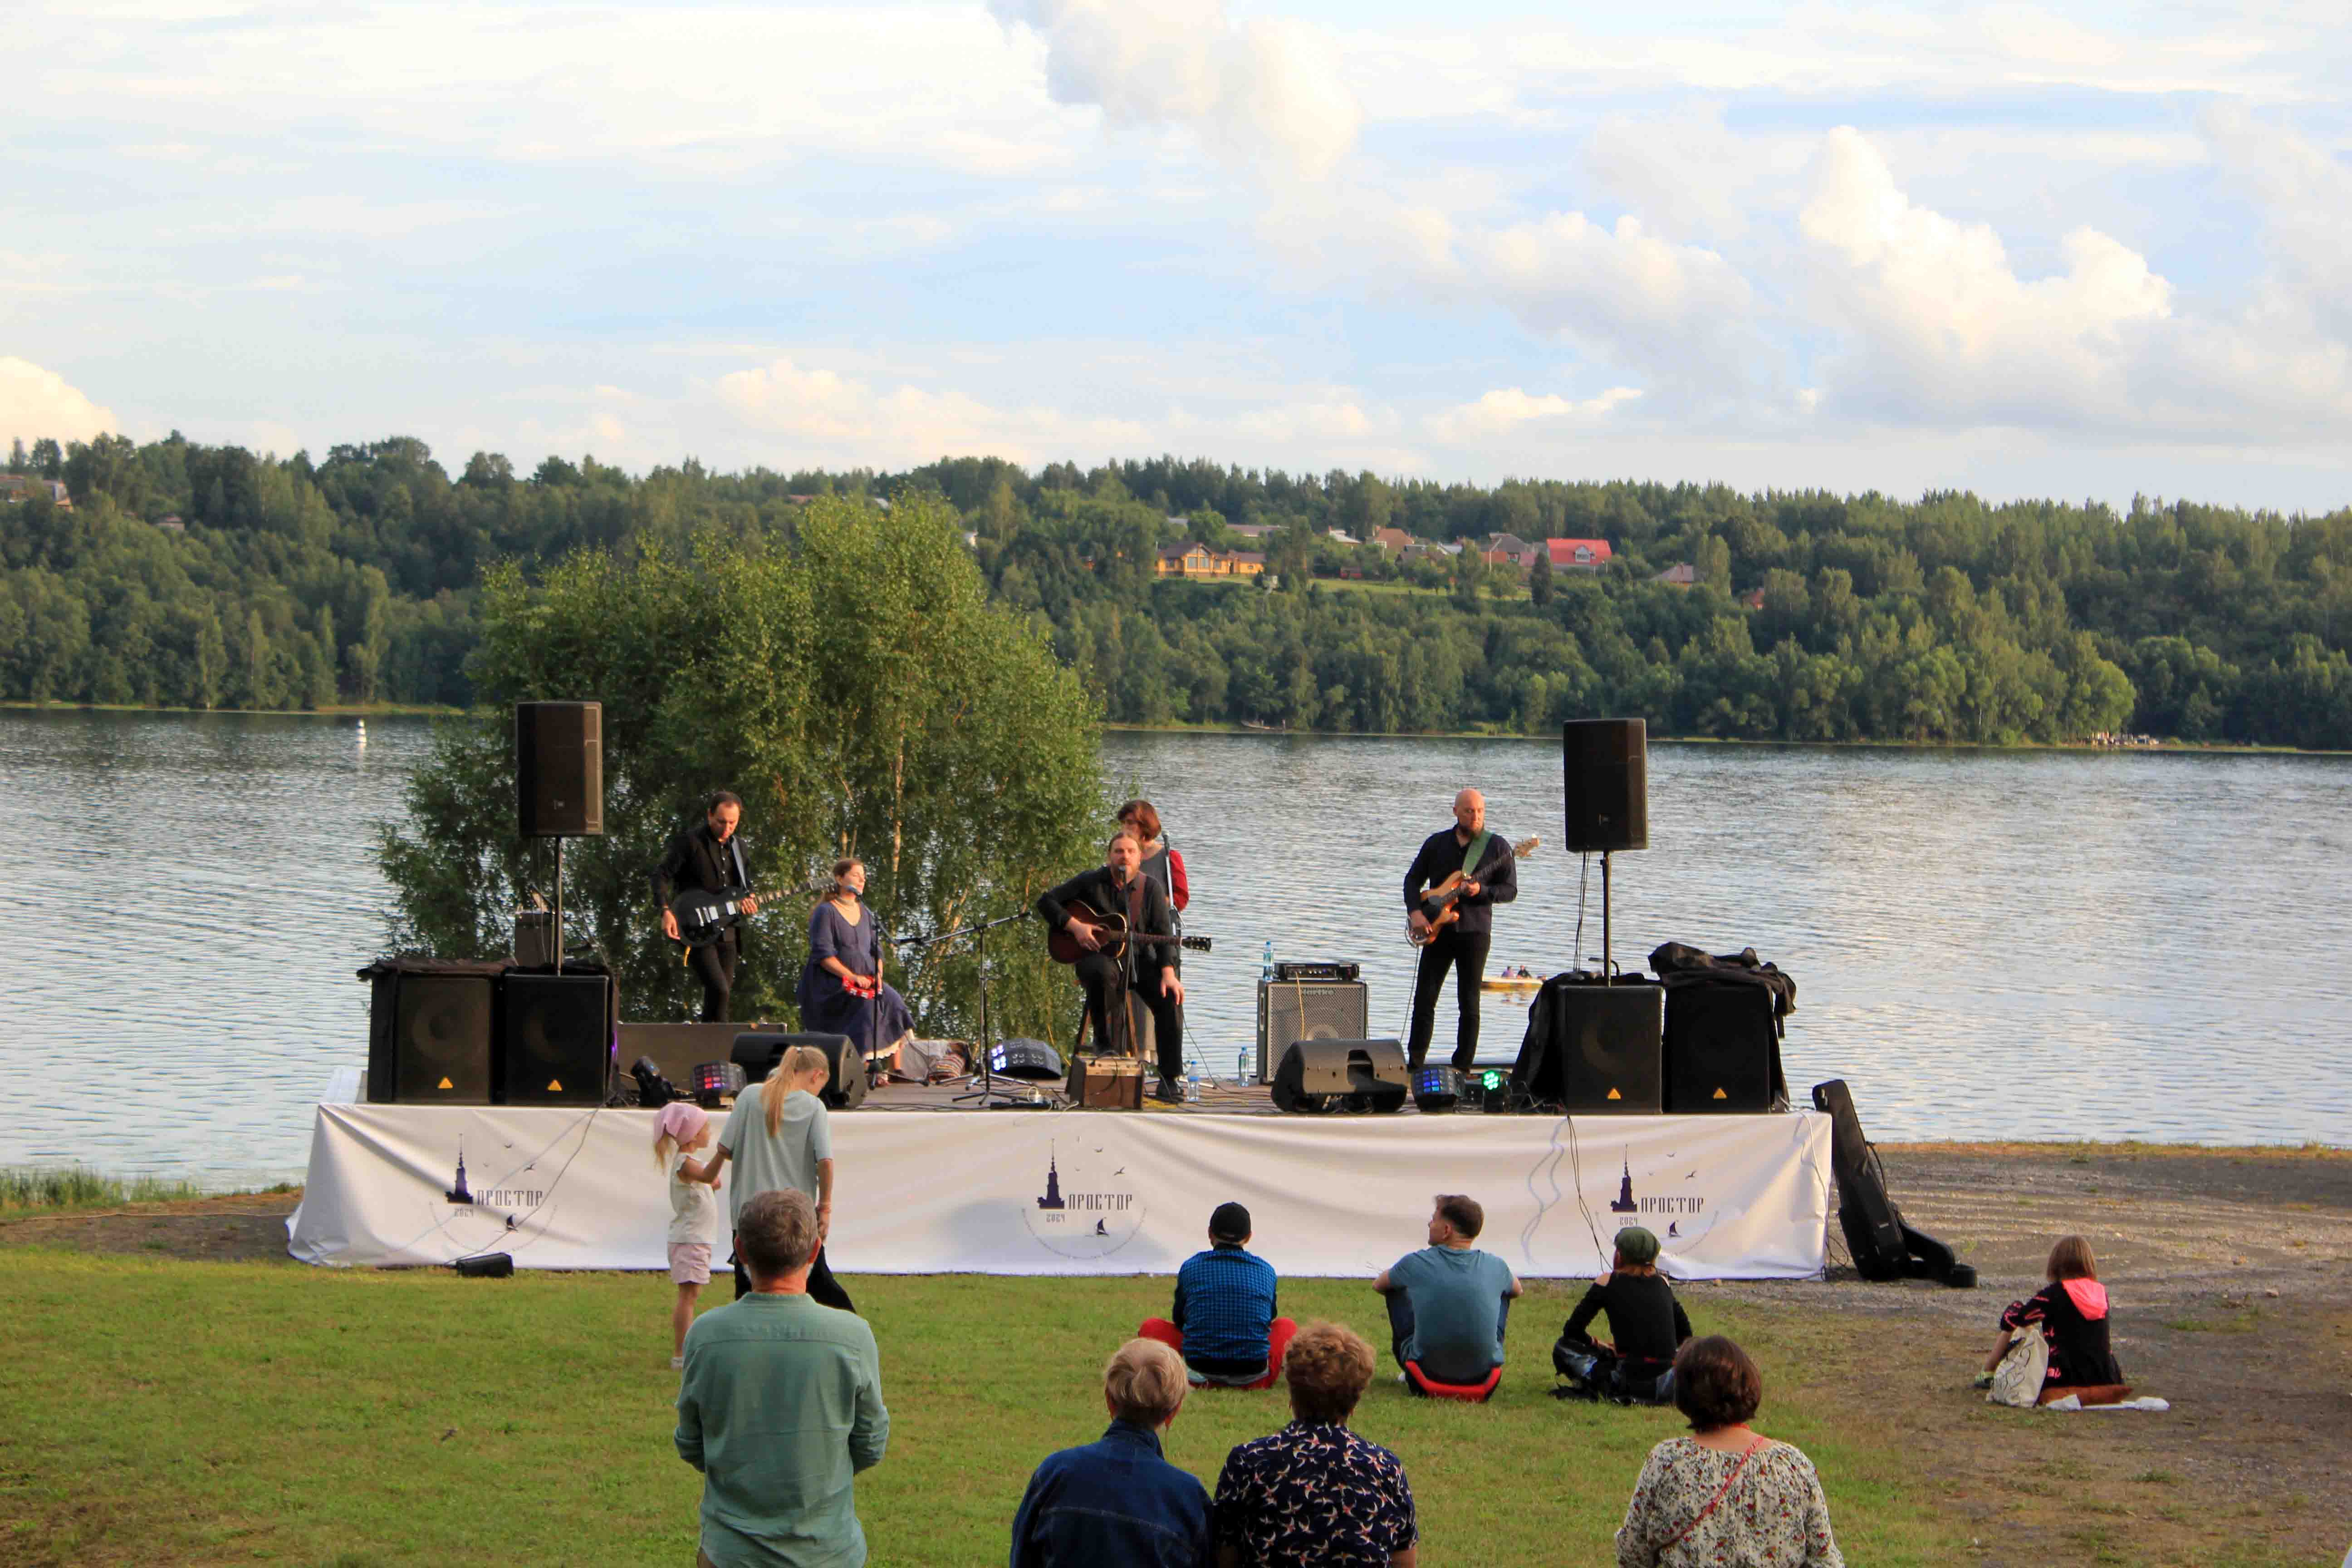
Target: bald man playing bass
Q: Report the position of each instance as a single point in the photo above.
(1491, 878)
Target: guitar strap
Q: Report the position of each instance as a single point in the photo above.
(1473, 853)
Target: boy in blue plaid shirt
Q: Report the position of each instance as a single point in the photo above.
(1224, 1324)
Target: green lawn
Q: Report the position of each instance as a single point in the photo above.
(162, 1412)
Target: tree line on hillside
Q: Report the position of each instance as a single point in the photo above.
(207, 576)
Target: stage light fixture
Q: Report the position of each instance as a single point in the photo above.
(713, 1081)
(654, 1090)
(1437, 1089)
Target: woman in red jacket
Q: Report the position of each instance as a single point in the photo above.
(1160, 863)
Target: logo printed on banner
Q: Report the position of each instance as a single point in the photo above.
(1676, 1210)
(1086, 1208)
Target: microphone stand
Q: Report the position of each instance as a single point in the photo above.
(978, 931)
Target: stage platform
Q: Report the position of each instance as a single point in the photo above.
(928, 1186)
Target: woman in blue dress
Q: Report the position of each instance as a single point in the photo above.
(842, 991)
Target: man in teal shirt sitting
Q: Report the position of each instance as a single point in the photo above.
(1449, 1303)
(780, 1406)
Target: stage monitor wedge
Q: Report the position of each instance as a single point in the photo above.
(1317, 1075)
(560, 770)
(758, 1051)
(1291, 1010)
(1606, 766)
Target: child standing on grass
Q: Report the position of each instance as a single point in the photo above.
(679, 1131)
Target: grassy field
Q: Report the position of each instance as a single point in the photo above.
(165, 1412)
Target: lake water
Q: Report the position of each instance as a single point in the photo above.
(1986, 944)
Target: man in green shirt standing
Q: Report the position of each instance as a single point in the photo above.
(781, 1406)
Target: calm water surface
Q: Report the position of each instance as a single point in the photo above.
(1986, 944)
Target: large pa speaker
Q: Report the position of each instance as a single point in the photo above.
(429, 1030)
(1594, 1049)
(758, 1051)
(1607, 766)
(1721, 1047)
(555, 1038)
(1316, 1076)
(1291, 1010)
(560, 769)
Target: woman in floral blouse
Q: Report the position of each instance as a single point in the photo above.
(1314, 1495)
(1725, 1497)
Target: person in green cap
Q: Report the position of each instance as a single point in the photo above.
(1646, 1327)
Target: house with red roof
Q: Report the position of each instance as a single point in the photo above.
(1578, 554)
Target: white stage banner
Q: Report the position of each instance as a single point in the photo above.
(1732, 1197)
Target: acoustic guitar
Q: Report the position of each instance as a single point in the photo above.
(1441, 902)
(1065, 948)
(704, 916)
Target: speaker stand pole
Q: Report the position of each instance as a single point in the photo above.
(1606, 966)
(559, 899)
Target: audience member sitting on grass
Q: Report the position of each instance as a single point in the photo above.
(1314, 1495)
(1118, 1504)
(780, 1406)
(1725, 1495)
(2072, 1310)
(1646, 1327)
(1223, 1322)
(1449, 1303)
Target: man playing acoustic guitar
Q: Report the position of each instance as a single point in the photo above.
(707, 857)
(1463, 928)
(1115, 888)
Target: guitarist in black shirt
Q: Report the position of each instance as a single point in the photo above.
(1117, 888)
(707, 857)
(1460, 944)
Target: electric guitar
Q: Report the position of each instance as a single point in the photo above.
(1440, 902)
(1066, 949)
(704, 916)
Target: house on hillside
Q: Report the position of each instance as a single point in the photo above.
(1392, 541)
(1578, 554)
(1681, 575)
(1251, 529)
(1508, 549)
(1197, 561)
(14, 488)
(173, 522)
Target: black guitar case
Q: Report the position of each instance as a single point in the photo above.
(1883, 1247)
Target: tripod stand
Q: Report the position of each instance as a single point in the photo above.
(986, 1090)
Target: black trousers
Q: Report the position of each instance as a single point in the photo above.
(715, 967)
(1100, 976)
(823, 1288)
(1466, 956)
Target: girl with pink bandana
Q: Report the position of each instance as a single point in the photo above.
(678, 1131)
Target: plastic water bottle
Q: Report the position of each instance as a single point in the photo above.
(1242, 1067)
(1266, 967)
(1192, 1081)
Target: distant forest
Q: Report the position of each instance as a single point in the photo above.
(200, 576)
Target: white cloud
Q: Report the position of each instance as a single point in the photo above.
(37, 404)
(834, 418)
(1264, 90)
(1507, 410)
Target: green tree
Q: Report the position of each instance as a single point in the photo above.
(1539, 585)
(852, 684)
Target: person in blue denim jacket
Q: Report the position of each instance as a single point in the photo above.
(1118, 1504)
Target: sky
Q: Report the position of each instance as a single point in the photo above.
(2080, 251)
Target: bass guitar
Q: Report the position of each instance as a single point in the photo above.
(1441, 902)
(704, 916)
(1066, 949)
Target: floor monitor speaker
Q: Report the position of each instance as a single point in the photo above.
(555, 1038)
(1594, 1049)
(757, 1051)
(1722, 1048)
(1316, 1076)
(1291, 1010)
(429, 1032)
(1606, 763)
(560, 769)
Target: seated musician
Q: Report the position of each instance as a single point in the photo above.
(1117, 888)
(842, 991)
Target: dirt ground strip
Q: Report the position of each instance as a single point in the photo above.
(2231, 1278)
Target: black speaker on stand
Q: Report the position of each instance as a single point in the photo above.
(558, 783)
(1605, 764)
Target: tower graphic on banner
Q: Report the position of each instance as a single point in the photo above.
(1053, 1198)
(1624, 1204)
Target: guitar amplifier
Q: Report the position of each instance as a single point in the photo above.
(1291, 1010)
(1107, 1083)
(1321, 969)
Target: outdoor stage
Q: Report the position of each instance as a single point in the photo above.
(925, 1188)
